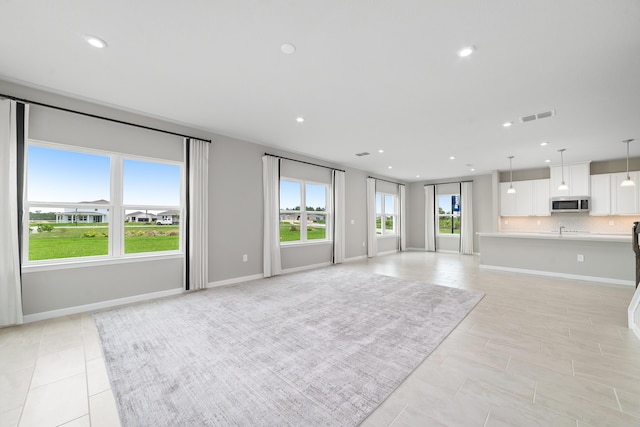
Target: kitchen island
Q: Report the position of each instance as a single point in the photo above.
(607, 258)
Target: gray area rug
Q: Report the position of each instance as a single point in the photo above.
(319, 348)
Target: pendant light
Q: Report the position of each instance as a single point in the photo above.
(628, 182)
(511, 190)
(562, 186)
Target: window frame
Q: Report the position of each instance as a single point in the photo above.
(304, 213)
(451, 215)
(115, 207)
(383, 215)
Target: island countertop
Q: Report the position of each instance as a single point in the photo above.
(566, 235)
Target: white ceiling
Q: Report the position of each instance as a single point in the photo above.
(366, 75)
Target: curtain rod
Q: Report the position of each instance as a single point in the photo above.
(452, 182)
(301, 161)
(385, 180)
(95, 116)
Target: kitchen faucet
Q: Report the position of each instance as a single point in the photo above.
(560, 230)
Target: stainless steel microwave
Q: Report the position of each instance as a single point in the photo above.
(570, 204)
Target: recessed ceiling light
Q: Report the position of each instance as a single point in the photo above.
(390, 167)
(96, 42)
(417, 176)
(547, 161)
(544, 143)
(452, 157)
(507, 124)
(299, 119)
(287, 48)
(472, 169)
(380, 151)
(466, 51)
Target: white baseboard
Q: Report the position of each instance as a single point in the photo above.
(234, 280)
(395, 251)
(355, 258)
(560, 275)
(28, 318)
(634, 306)
(306, 267)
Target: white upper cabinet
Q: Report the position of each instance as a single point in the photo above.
(524, 197)
(507, 201)
(624, 200)
(531, 198)
(541, 197)
(600, 194)
(576, 176)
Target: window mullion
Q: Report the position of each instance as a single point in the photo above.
(116, 222)
(303, 212)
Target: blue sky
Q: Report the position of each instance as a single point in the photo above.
(68, 176)
(290, 195)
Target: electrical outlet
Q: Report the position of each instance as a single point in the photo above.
(363, 244)
(538, 222)
(580, 258)
(353, 221)
(506, 222)
(245, 258)
(611, 222)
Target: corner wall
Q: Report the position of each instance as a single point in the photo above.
(483, 219)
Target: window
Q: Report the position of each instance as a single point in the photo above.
(449, 214)
(385, 213)
(303, 211)
(79, 204)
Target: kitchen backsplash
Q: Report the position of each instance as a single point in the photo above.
(573, 222)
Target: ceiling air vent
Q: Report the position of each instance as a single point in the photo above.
(364, 153)
(543, 115)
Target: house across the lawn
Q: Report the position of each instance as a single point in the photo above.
(89, 215)
(172, 215)
(139, 216)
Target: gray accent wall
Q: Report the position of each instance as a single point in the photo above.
(596, 168)
(44, 291)
(235, 206)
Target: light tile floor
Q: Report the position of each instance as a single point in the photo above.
(536, 351)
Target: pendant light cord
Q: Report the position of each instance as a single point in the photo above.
(628, 159)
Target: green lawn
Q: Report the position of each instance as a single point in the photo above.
(71, 241)
(291, 232)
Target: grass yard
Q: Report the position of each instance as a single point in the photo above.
(139, 239)
(71, 241)
(291, 232)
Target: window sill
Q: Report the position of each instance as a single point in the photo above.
(448, 236)
(94, 262)
(386, 236)
(307, 243)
